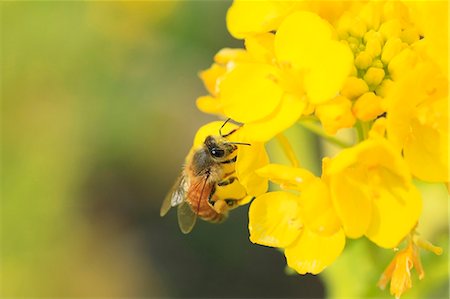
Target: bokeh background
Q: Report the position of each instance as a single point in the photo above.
(98, 113)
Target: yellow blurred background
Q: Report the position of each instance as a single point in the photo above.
(98, 113)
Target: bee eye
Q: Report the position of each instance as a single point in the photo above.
(217, 152)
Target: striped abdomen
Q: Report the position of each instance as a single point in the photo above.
(197, 198)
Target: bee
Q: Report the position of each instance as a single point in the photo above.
(207, 168)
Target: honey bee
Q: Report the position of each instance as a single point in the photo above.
(208, 168)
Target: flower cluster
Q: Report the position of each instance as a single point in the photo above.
(378, 68)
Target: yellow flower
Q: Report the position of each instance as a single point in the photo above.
(212, 76)
(324, 62)
(431, 18)
(275, 220)
(269, 86)
(246, 18)
(399, 271)
(417, 122)
(372, 192)
(305, 225)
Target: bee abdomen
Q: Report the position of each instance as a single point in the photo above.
(198, 200)
(207, 213)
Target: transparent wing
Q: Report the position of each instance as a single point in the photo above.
(186, 217)
(176, 195)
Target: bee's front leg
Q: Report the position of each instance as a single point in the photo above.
(219, 205)
(222, 206)
(227, 181)
(210, 197)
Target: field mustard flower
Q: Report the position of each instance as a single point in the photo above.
(375, 68)
(417, 122)
(278, 76)
(287, 220)
(373, 193)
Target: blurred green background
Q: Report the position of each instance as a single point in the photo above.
(98, 113)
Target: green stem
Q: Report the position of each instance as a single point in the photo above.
(363, 128)
(287, 148)
(316, 129)
(359, 131)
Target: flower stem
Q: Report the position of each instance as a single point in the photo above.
(362, 128)
(287, 148)
(316, 129)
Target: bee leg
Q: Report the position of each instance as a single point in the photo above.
(210, 197)
(231, 203)
(228, 181)
(221, 206)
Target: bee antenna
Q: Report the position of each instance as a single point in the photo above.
(239, 143)
(223, 125)
(229, 133)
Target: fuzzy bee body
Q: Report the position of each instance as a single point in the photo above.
(207, 168)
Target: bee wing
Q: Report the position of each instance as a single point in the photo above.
(186, 217)
(176, 195)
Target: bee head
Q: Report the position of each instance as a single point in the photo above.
(218, 148)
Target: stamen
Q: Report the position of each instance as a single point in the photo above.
(424, 244)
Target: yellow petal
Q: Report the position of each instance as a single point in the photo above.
(246, 18)
(394, 217)
(209, 104)
(430, 17)
(352, 201)
(317, 210)
(426, 152)
(249, 92)
(304, 40)
(327, 76)
(373, 174)
(210, 76)
(282, 117)
(288, 177)
(417, 122)
(298, 33)
(369, 154)
(312, 253)
(249, 159)
(274, 219)
(211, 128)
(261, 47)
(227, 55)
